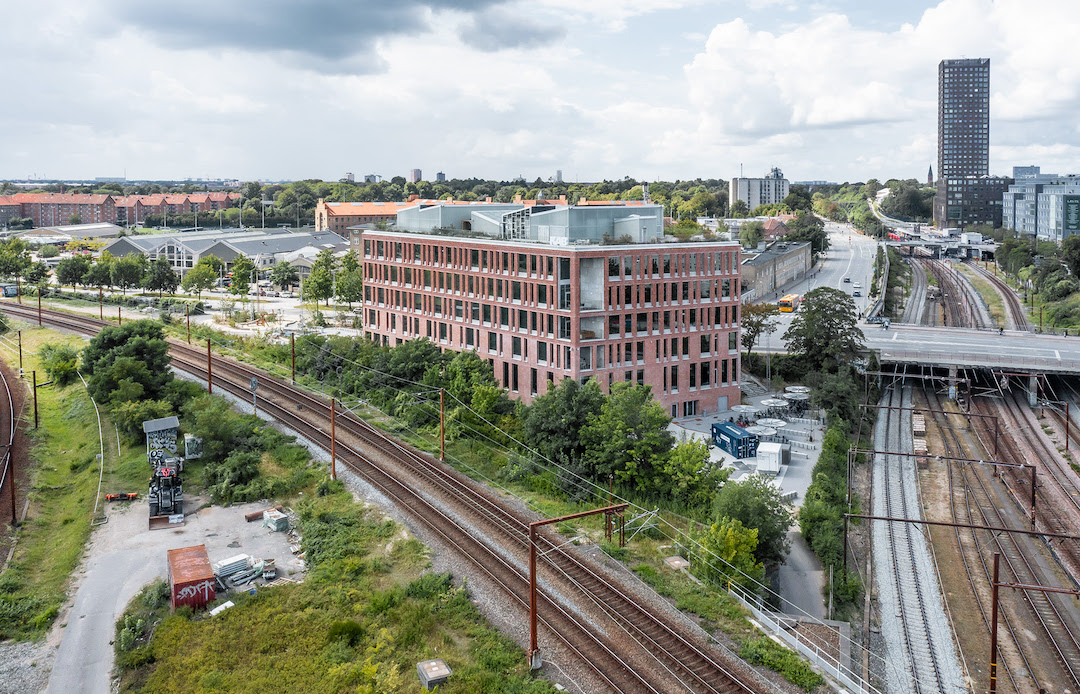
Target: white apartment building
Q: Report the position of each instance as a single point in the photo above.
(759, 191)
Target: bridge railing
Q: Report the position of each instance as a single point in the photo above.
(876, 310)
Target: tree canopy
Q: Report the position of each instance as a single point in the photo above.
(243, 274)
(128, 362)
(757, 320)
(751, 234)
(826, 328)
(284, 275)
(160, 277)
(628, 438)
(756, 503)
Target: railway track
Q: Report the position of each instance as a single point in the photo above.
(917, 312)
(629, 645)
(8, 480)
(1053, 614)
(1017, 316)
(905, 583)
(975, 554)
(963, 307)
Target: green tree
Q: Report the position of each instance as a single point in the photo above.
(628, 438)
(284, 275)
(128, 271)
(100, 273)
(14, 258)
(349, 287)
(751, 234)
(838, 394)
(739, 209)
(243, 270)
(798, 199)
(554, 421)
(161, 277)
(319, 285)
(61, 363)
(350, 261)
(37, 274)
(689, 476)
(48, 251)
(128, 362)
(198, 279)
(75, 219)
(757, 319)
(729, 555)
(214, 263)
(685, 229)
(808, 227)
(72, 270)
(826, 330)
(756, 503)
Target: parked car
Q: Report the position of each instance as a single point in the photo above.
(856, 293)
(847, 279)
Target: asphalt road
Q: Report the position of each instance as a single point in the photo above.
(968, 347)
(851, 255)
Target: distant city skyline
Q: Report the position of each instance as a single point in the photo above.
(839, 90)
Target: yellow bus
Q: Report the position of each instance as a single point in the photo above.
(789, 303)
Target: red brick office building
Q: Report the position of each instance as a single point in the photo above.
(662, 314)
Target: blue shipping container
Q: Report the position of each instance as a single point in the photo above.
(734, 439)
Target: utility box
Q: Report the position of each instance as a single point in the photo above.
(734, 439)
(433, 673)
(771, 456)
(191, 578)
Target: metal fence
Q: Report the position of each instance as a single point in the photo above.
(825, 662)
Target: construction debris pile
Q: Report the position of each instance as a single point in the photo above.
(237, 572)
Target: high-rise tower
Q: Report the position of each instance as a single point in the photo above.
(966, 193)
(963, 117)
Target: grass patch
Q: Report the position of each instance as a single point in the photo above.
(993, 300)
(363, 619)
(62, 496)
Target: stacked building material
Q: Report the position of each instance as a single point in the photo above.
(918, 424)
(920, 450)
(232, 565)
(277, 521)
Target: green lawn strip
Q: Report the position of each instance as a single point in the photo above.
(990, 295)
(62, 496)
(364, 617)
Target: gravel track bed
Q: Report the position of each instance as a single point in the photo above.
(900, 584)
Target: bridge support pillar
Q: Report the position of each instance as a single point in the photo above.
(1033, 390)
(952, 383)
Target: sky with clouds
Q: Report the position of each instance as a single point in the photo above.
(841, 90)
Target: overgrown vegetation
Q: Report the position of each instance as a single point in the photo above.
(65, 450)
(821, 518)
(1046, 274)
(244, 458)
(364, 617)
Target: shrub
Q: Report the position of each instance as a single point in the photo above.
(348, 631)
(764, 651)
(61, 363)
